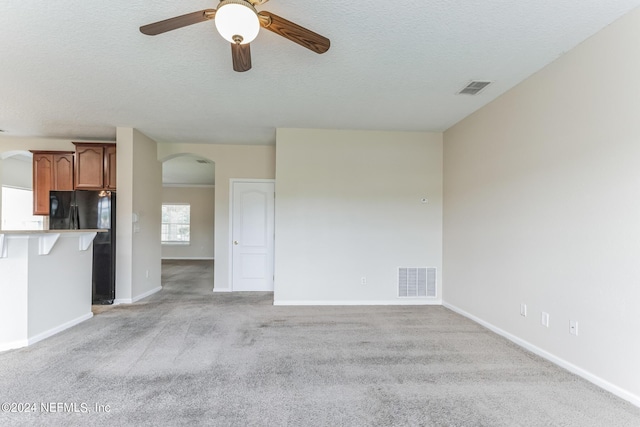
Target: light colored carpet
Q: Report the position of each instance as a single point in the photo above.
(186, 356)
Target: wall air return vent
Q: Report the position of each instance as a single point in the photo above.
(473, 88)
(416, 282)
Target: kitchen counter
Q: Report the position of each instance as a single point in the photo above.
(52, 231)
(48, 238)
(45, 283)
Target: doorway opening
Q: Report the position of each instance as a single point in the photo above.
(188, 211)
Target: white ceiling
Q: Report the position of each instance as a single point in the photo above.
(79, 68)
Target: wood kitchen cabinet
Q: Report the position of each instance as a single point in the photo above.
(95, 167)
(110, 167)
(52, 170)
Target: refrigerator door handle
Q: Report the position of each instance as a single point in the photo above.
(74, 217)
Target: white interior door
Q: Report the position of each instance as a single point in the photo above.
(252, 233)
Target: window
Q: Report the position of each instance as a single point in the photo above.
(17, 210)
(176, 228)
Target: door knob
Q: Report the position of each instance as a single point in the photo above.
(235, 242)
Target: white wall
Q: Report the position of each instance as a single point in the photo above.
(1, 173)
(124, 215)
(14, 287)
(542, 206)
(147, 203)
(59, 295)
(201, 200)
(232, 161)
(13, 143)
(348, 205)
(138, 248)
(16, 173)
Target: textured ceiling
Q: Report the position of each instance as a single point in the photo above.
(79, 68)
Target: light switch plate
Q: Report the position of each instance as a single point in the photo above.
(523, 310)
(544, 319)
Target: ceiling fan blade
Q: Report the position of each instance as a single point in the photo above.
(241, 54)
(294, 32)
(177, 22)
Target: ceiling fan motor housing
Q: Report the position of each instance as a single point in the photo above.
(237, 21)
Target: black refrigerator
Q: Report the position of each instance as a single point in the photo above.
(81, 210)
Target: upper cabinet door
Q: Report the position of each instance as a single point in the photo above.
(62, 172)
(42, 173)
(89, 166)
(52, 170)
(110, 167)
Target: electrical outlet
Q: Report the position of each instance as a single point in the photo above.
(523, 310)
(363, 280)
(573, 327)
(544, 319)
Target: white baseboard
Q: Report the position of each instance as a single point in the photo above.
(13, 344)
(146, 294)
(188, 258)
(612, 388)
(59, 328)
(137, 298)
(215, 290)
(361, 302)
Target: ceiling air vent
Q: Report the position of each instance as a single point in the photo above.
(416, 282)
(473, 88)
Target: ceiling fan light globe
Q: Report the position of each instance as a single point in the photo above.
(237, 19)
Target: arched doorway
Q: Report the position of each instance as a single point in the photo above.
(188, 213)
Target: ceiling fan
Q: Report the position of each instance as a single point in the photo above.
(238, 22)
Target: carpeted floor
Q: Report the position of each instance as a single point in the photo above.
(186, 356)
